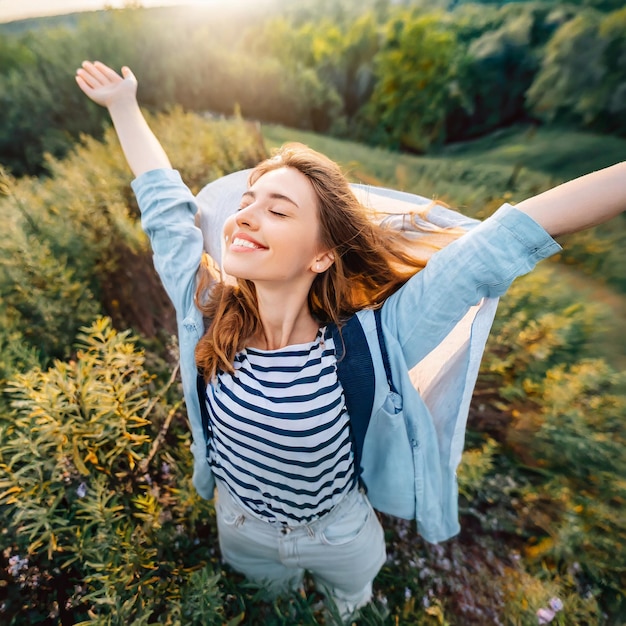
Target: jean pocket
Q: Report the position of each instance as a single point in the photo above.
(349, 525)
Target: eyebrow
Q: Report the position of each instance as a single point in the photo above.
(273, 196)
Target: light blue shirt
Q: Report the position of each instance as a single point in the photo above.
(415, 438)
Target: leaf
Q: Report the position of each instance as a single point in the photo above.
(11, 490)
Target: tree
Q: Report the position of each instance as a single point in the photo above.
(500, 66)
(582, 76)
(416, 82)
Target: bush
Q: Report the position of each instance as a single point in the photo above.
(74, 247)
(101, 520)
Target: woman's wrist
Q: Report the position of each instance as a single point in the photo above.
(123, 106)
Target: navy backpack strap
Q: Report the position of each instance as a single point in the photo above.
(355, 370)
(204, 412)
(383, 349)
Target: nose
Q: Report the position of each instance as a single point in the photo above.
(247, 217)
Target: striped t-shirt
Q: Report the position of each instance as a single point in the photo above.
(280, 434)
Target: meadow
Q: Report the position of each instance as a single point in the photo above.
(100, 522)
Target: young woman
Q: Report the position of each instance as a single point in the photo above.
(290, 463)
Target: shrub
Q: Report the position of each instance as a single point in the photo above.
(100, 516)
(74, 247)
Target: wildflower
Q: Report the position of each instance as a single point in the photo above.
(545, 616)
(81, 490)
(16, 565)
(407, 593)
(556, 604)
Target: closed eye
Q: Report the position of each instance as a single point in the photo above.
(278, 213)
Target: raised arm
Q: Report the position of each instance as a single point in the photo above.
(119, 95)
(580, 203)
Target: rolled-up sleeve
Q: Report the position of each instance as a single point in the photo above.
(481, 263)
(167, 216)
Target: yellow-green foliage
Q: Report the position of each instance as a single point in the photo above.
(416, 71)
(576, 438)
(92, 490)
(476, 464)
(95, 493)
(524, 595)
(538, 326)
(567, 428)
(71, 238)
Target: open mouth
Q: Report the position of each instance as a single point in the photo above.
(238, 242)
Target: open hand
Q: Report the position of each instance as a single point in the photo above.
(104, 85)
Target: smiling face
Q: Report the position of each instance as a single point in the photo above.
(274, 237)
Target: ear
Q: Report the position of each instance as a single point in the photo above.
(322, 262)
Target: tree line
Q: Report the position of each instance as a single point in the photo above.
(393, 74)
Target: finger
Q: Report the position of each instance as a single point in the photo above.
(85, 88)
(85, 70)
(96, 73)
(128, 74)
(105, 71)
(89, 74)
(87, 79)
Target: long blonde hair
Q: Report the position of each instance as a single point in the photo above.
(370, 263)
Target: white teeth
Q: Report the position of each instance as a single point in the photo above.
(244, 243)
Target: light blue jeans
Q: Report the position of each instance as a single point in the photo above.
(343, 550)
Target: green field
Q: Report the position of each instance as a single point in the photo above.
(563, 154)
(547, 154)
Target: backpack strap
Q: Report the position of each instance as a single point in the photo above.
(383, 349)
(204, 412)
(355, 370)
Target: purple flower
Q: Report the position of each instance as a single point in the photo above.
(556, 604)
(545, 616)
(81, 490)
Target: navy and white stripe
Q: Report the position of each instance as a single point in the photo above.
(280, 432)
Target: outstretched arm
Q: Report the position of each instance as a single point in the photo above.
(119, 95)
(580, 203)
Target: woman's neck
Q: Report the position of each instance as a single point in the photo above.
(285, 320)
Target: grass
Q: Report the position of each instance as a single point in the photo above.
(515, 162)
(563, 154)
